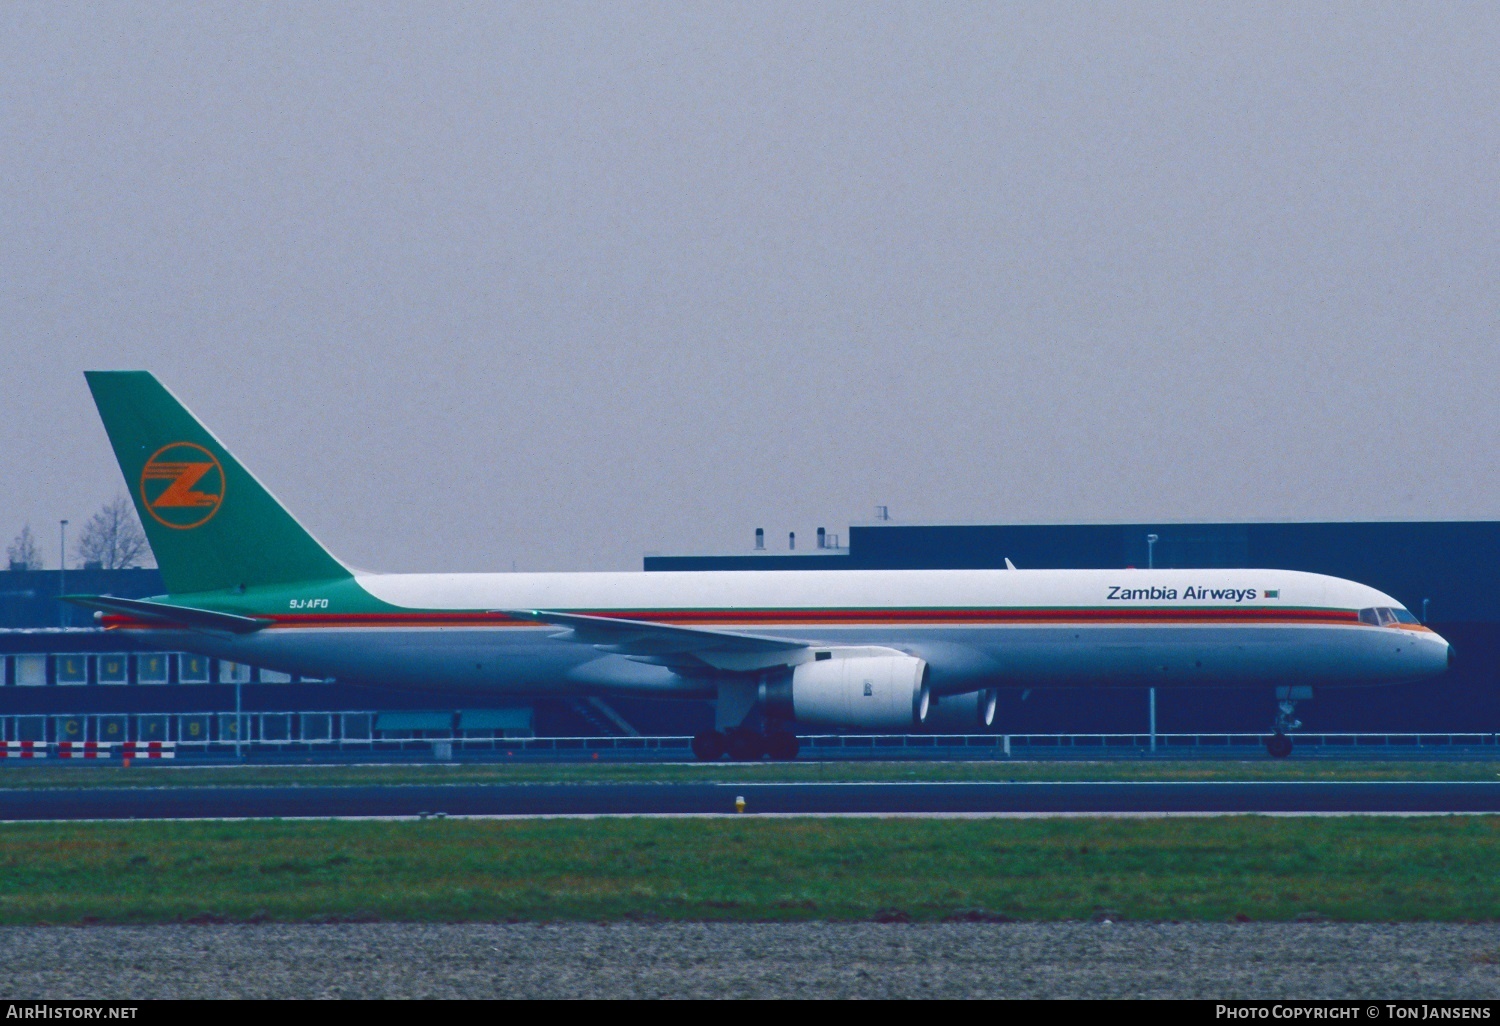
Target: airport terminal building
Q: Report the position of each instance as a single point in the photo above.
(63, 679)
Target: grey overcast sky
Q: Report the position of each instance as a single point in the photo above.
(552, 285)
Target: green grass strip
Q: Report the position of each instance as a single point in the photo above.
(34, 775)
(1212, 868)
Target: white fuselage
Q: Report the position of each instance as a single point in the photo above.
(975, 628)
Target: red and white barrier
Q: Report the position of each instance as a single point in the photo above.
(148, 750)
(83, 749)
(89, 749)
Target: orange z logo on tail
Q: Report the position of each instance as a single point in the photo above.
(182, 485)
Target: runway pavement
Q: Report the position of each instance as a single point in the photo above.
(700, 799)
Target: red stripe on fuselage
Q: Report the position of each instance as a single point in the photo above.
(817, 617)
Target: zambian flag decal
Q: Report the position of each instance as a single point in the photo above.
(1273, 593)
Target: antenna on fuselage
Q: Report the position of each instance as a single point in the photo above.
(1008, 564)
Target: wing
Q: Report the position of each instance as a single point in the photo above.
(170, 616)
(668, 644)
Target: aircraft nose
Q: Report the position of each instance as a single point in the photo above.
(1440, 655)
(1433, 653)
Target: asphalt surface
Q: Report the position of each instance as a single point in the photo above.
(755, 960)
(687, 799)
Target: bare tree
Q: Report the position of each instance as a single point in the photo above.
(24, 553)
(113, 538)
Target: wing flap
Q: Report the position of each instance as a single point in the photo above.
(669, 644)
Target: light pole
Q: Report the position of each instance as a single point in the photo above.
(1151, 565)
(62, 569)
(239, 720)
(1153, 719)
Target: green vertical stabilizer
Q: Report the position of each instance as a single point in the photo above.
(211, 524)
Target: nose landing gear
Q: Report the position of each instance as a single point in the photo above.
(1278, 744)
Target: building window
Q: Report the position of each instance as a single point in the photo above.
(114, 669)
(72, 669)
(317, 726)
(192, 669)
(192, 728)
(31, 671)
(151, 728)
(233, 673)
(356, 726)
(230, 729)
(275, 677)
(151, 669)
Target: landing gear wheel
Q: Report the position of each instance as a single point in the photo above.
(745, 745)
(708, 746)
(782, 745)
(1279, 745)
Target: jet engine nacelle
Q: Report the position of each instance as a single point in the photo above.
(962, 714)
(879, 692)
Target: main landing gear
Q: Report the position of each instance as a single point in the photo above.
(1278, 744)
(746, 744)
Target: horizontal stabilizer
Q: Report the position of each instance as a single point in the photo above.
(177, 616)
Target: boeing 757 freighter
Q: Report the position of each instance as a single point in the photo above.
(860, 649)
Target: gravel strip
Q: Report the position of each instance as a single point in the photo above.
(860, 960)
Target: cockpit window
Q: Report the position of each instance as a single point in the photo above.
(1384, 616)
